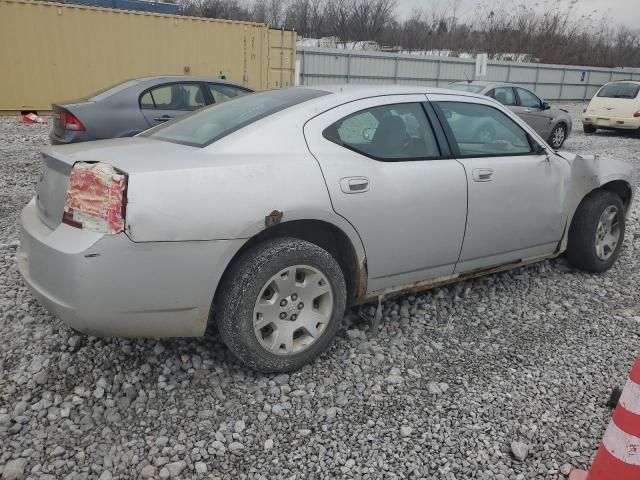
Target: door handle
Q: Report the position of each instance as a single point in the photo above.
(163, 118)
(482, 174)
(528, 110)
(354, 184)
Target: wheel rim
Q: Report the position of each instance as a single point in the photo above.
(293, 310)
(607, 233)
(558, 137)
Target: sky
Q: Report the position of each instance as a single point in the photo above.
(626, 12)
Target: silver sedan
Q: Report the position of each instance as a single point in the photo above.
(551, 123)
(269, 214)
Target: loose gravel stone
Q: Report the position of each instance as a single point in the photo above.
(14, 469)
(451, 379)
(519, 450)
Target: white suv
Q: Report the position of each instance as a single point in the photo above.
(616, 106)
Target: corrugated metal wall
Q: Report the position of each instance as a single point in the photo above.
(553, 82)
(282, 62)
(51, 52)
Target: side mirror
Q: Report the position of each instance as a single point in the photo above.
(546, 106)
(539, 149)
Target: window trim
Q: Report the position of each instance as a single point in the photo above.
(451, 138)
(160, 85)
(438, 136)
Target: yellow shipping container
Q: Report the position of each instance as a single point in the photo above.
(51, 52)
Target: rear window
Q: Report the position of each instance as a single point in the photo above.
(110, 90)
(466, 87)
(209, 124)
(619, 90)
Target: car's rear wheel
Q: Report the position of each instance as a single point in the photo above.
(558, 136)
(597, 232)
(281, 304)
(588, 128)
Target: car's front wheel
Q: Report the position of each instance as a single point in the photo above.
(588, 128)
(281, 304)
(558, 136)
(597, 232)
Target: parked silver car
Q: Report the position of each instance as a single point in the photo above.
(268, 214)
(130, 107)
(549, 122)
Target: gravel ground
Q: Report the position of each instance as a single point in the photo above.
(504, 377)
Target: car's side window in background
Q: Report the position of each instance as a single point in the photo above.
(504, 95)
(390, 132)
(220, 93)
(528, 99)
(481, 130)
(146, 101)
(185, 97)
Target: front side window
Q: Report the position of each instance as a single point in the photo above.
(504, 95)
(481, 130)
(619, 90)
(177, 96)
(528, 99)
(201, 128)
(389, 132)
(220, 93)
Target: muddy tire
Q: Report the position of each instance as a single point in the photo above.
(597, 232)
(281, 304)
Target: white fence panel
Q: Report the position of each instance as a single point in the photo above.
(553, 82)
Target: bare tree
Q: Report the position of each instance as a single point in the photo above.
(551, 31)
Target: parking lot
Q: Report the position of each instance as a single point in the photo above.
(457, 380)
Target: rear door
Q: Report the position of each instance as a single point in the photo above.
(390, 174)
(529, 108)
(516, 194)
(170, 100)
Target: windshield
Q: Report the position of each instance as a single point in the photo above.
(620, 90)
(466, 87)
(209, 124)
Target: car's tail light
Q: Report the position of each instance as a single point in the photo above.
(69, 121)
(637, 114)
(96, 198)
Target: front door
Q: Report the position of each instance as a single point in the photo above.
(516, 193)
(389, 177)
(530, 109)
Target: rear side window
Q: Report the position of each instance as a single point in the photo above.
(619, 90)
(220, 93)
(389, 132)
(504, 95)
(201, 128)
(481, 130)
(176, 96)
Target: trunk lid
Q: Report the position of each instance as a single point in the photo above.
(130, 155)
(613, 107)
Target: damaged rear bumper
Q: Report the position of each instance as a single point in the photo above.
(111, 286)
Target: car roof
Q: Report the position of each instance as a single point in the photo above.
(186, 78)
(354, 92)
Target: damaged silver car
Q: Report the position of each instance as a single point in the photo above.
(269, 214)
